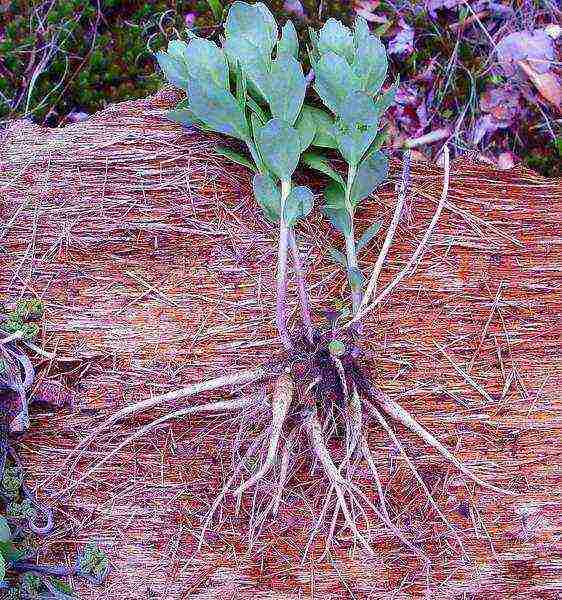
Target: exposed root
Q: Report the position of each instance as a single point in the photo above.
(401, 415)
(220, 406)
(282, 396)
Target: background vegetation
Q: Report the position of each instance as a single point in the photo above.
(63, 59)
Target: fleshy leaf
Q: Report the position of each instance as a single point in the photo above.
(177, 50)
(218, 109)
(298, 204)
(370, 65)
(251, 34)
(370, 174)
(325, 135)
(319, 163)
(306, 127)
(287, 87)
(267, 196)
(361, 32)
(235, 157)
(289, 42)
(280, 148)
(336, 37)
(207, 62)
(335, 208)
(334, 79)
(357, 126)
(175, 70)
(368, 236)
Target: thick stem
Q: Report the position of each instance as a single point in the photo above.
(281, 308)
(303, 292)
(350, 248)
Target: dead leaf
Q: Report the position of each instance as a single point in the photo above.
(537, 48)
(548, 84)
(403, 41)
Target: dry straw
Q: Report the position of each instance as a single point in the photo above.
(156, 272)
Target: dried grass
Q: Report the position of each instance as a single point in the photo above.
(157, 271)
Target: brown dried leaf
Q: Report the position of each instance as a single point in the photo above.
(548, 84)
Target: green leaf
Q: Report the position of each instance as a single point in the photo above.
(279, 146)
(267, 196)
(357, 126)
(241, 87)
(319, 163)
(324, 123)
(368, 236)
(306, 127)
(218, 109)
(175, 70)
(338, 257)
(216, 8)
(335, 208)
(334, 79)
(184, 115)
(10, 552)
(251, 33)
(336, 37)
(2, 569)
(5, 533)
(235, 157)
(370, 65)
(286, 89)
(257, 110)
(289, 42)
(361, 32)
(370, 174)
(298, 204)
(206, 62)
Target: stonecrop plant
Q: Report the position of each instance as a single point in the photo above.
(254, 89)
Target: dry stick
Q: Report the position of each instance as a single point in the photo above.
(315, 434)
(402, 192)
(378, 416)
(388, 289)
(220, 406)
(401, 415)
(303, 293)
(240, 378)
(282, 397)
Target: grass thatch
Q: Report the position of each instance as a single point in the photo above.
(157, 270)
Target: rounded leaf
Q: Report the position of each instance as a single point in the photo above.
(217, 109)
(334, 79)
(306, 127)
(298, 204)
(280, 147)
(207, 62)
(286, 89)
(335, 208)
(370, 65)
(289, 42)
(336, 37)
(370, 174)
(175, 70)
(267, 196)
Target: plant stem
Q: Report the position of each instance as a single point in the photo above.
(301, 282)
(281, 308)
(350, 248)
